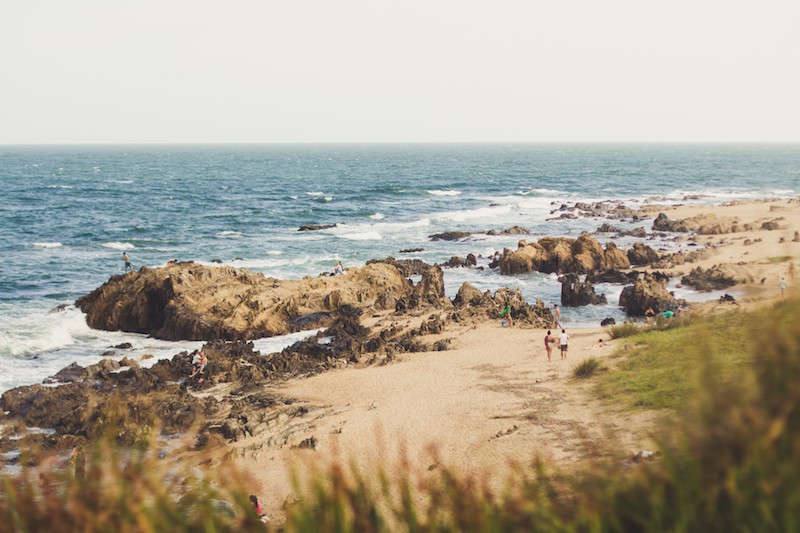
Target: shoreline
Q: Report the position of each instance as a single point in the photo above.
(492, 398)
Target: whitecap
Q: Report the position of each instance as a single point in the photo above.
(361, 236)
(315, 193)
(118, 245)
(60, 186)
(376, 216)
(468, 214)
(122, 182)
(47, 244)
(229, 233)
(436, 192)
(274, 252)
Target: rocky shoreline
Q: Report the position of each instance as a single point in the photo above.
(226, 307)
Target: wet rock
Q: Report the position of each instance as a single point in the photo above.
(608, 228)
(411, 250)
(575, 293)
(727, 298)
(449, 236)
(608, 321)
(313, 227)
(123, 346)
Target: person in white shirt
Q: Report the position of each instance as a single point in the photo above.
(563, 343)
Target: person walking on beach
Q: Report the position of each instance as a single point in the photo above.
(127, 260)
(556, 317)
(783, 286)
(563, 343)
(549, 341)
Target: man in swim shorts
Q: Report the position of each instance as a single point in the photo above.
(563, 343)
(127, 261)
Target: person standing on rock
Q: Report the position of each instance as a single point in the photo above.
(563, 343)
(127, 260)
(549, 341)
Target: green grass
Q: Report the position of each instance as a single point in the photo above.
(779, 259)
(661, 367)
(625, 329)
(587, 368)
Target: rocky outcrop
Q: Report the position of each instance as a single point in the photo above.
(193, 302)
(707, 224)
(718, 277)
(575, 293)
(641, 254)
(428, 292)
(648, 291)
(408, 267)
(513, 230)
(473, 306)
(607, 209)
(561, 255)
(449, 236)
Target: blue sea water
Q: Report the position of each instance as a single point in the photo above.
(68, 213)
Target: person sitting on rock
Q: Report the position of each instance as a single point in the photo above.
(338, 269)
(199, 363)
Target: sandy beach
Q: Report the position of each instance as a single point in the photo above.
(493, 399)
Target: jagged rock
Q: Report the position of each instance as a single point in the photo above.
(123, 346)
(408, 267)
(612, 276)
(727, 298)
(191, 302)
(449, 236)
(471, 260)
(770, 226)
(411, 250)
(641, 254)
(455, 262)
(560, 255)
(715, 278)
(647, 292)
(428, 292)
(575, 293)
(468, 294)
(608, 321)
(639, 233)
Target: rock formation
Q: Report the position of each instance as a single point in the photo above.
(647, 291)
(576, 293)
(702, 224)
(561, 255)
(717, 277)
(193, 302)
(473, 306)
(641, 254)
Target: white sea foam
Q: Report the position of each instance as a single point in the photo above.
(376, 216)
(60, 186)
(436, 192)
(47, 244)
(274, 252)
(118, 245)
(541, 192)
(122, 182)
(361, 236)
(276, 344)
(230, 233)
(315, 193)
(471, 214)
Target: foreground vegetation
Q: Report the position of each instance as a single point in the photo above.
(732, 463)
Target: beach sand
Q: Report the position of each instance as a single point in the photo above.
(493, 399)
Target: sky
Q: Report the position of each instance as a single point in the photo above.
(175, 71)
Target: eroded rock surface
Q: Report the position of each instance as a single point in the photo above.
(194, 302)
(562, 255)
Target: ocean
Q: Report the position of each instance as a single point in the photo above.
(69, 212)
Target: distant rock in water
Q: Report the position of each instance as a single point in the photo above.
(313, 227)
(575, 293)
(449, 236)
(194, 302)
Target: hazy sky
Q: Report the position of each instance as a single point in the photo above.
(376, 71)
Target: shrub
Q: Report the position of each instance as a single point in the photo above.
(626, 329)
(587, 368)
